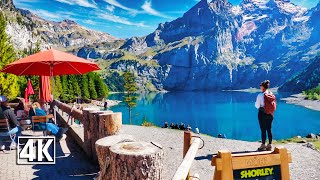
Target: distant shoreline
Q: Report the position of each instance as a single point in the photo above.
(299, 99)
(252, 90)
(162, 91)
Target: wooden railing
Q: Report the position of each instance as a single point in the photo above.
(96, 124)
(190, 150)
(65, 108)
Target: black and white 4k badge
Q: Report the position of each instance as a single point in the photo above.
(36, 150)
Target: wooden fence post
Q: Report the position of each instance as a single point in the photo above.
(227, 171)
(284, 165)
(94, 131)
(113, 123)
(135, 160)
(89, 126)
(87, 137)
(186, 144)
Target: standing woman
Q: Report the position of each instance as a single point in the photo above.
(266, 105)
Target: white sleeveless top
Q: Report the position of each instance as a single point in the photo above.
(260, 99)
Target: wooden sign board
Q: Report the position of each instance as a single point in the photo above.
(252, 166)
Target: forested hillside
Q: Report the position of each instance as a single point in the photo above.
(305, 80)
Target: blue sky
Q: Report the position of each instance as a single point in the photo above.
(120, 18)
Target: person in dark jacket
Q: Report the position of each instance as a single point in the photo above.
(2, 147)
(1, 114)
(172, 126)
(7, 113)
(105, 106)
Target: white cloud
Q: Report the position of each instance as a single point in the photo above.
(23, 3)
(27, 1)
(83, 3)
(88, 21)
(147, 7)
(118, 19)
(110, 8)
(46, 14)
(117, 4)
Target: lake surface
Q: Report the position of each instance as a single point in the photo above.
(229, 113)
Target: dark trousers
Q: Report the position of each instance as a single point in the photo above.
(265, 122)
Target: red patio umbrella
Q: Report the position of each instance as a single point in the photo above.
(44, 88)
(50, 63)
(30, 88)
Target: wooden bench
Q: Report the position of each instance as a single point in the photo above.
(38, 120)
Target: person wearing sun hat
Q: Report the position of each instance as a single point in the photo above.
(8, 113)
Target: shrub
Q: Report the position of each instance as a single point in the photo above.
(146, 122)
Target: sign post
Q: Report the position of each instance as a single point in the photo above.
(257, 165)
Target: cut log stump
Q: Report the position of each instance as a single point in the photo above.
(136, 160)
(103, 151)
(113, 122)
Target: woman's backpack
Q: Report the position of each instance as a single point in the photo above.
(270, 103)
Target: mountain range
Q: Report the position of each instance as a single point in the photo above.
(213, 46)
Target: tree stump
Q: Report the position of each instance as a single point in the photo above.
(103, 152)
(135, 160)
(113, 123)
(88, 132)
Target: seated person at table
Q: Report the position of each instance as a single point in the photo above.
(43, 105)
(20, 110)
(54, 129)
(7, 113)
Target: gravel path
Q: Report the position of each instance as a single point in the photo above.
(306, 162)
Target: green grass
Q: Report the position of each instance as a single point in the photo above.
(312, 94)
(175, 45)
(149, 52)
(146, 122)
(316, 142)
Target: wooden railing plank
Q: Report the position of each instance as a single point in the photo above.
(185, 166)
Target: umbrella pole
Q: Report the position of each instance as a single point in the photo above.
(51, 77)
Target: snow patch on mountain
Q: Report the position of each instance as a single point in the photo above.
(301, 19)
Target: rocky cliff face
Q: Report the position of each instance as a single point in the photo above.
(26, 28)
(219, 46)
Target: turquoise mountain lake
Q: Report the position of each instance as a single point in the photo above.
(229, 113)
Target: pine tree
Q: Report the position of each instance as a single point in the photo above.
(56, 87)
(100, 86)
(84, 87)
(64, 82)
(70, 90)
(75, 85)
(9, 83)
(130, 87)
(91, 86)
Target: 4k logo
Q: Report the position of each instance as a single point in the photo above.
(36, 150)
